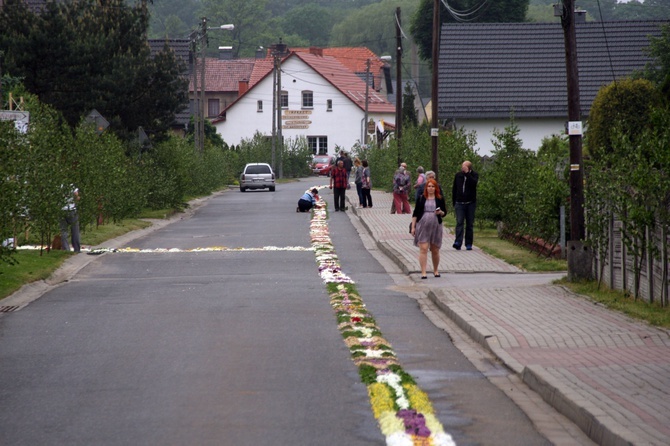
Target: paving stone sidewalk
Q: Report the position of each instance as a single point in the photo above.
(606, 372)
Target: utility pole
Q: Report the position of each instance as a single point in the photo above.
(2, 103)
(367, 100)
(279, 51)
(579, 255)
(199, 43)
(434, 131)
(398, 73)
(203, 61)
(196, 106)
(275, 99)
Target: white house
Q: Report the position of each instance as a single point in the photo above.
(321, 100)
(490, 71)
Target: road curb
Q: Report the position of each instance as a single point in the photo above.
(576, 408)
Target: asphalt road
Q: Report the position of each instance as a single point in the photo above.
(227, 348)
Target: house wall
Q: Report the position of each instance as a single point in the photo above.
(531, 131)
(342, 126)
(225, 99)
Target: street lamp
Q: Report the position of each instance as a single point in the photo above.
(200, 36)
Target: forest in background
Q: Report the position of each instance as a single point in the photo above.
(330, 23)
(369, 23)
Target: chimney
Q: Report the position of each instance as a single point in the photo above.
(243, 86)
(316, 51)
(260, 53)
(580, 16)
(225, 53)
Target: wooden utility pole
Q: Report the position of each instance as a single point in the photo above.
(275, 100)
(434, 131)
(579, 255)
(398, 73)
(367, 100)
(194, 72)
(203, 47)
(2, 103)
(279, 50)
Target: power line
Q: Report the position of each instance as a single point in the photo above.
(469, 15)
(607, 47)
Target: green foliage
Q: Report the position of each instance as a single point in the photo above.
(626, 104)
(497, 11)
(251, 19)
(173, 18)
(542, 13)
(658, 71)
(296, 155)
(504, 182)
(415, 149)
(409, 114)
(632, 183)
(310, 22)
(39, 169)
(372, 26)
(548, 189)
(84, 55)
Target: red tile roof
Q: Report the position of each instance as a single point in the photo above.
(262, 68)
(225, 75)
(346, 81)
(354, 58)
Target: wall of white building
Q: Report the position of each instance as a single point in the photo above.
(341, 125)
(531, 131)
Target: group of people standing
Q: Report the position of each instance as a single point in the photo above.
(430, 208)
(340, 181)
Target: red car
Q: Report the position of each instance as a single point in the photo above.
(321, 164)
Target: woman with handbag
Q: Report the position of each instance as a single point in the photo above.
(358, 181)
(402, 183)
(366, 185)
(427, 226)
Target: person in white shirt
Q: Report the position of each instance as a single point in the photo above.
(70, 220)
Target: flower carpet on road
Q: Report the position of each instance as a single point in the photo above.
(170, 250)
(405, 414)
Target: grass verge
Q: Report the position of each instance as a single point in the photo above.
(33, 265)
(486, 238)
(651, 313)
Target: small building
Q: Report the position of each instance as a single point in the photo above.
(491, 71)
(321, 100)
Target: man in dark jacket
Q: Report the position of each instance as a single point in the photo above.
(338, 182)
(464, 199)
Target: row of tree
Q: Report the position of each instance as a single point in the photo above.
(117, 179)
(83, 55)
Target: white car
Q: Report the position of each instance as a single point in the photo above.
(257, 176)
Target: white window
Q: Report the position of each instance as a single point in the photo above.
(283, 99)
(318, 144)
(259, 106)
(329, 105)
(307, 99)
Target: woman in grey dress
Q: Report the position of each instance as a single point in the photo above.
(427, 226)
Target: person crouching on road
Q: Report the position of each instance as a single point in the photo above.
(308, 201)
(427, 226)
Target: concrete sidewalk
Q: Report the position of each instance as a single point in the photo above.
(607, 373)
